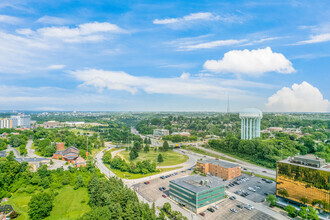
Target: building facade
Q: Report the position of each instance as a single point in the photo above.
(160, 132)
(222, 169)
(304, 180)
(6, 123)
(250, 123)
(196, 192)
(21, 120)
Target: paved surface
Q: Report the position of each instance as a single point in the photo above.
(224, 212)
(259, 195)
(16, 153)
(30, 152)
(258, 206)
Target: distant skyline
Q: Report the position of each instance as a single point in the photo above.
(165, 56)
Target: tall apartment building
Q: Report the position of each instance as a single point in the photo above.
(21, 120)
(6, 123)
(225, 170)
(160, 132)
(196, 192)
(304, 180)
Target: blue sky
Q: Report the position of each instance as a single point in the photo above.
(164, 56)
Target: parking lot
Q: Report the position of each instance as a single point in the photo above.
(225, 208)
(256, 188)
(151, 191)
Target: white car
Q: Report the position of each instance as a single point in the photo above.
(249, 207)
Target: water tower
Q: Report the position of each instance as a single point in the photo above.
(250, 123)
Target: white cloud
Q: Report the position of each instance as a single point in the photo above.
(184, 85)
(191, 17)
(211, 44)
(316, 39)
(254, 62)
(51, 20)
(9, 19)
(298, 98)
(56, 67)
(185, 76)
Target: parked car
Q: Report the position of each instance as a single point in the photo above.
(264, 171)
(249, 207)
(210, 209)
(232, 198)
(147, 182)
(160, 188)
(163, 188)
(233, 210)
(269, 181)
(240, 206)
(164, 196)
(202, 214)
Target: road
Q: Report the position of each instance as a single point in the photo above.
(30, 152)
(16, 153)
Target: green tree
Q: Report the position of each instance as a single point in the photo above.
(304, 200)
(107, 157)
(272, 200)
(160, 158)
(167, 207)
(292, 212)
(166, 146)
(303, 212)
(79, 182)
(146, 148)
(312, 213)
(40, 205)
(283, 192)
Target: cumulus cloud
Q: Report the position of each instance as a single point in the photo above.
(316, 39)
(298, 98)
(183, 85)
(254, 62)
(8, 19)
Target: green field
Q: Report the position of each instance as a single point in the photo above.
(170, 157)
(127, 175)
(200, 151)
(67, 204)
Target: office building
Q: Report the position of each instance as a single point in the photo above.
(160, 132)
(196, 192)
(304, 180)
(223, 169)
(6, 123)
(250, 123)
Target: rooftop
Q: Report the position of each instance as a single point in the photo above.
(197, 183)
(309, 160)
(220, 163)
(250, 111)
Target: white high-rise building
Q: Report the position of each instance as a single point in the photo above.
(250, 123)
(21, 120)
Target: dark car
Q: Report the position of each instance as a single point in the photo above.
(202, 214)
(210, 209)
(163, 188)
(239, 206)
(147, 182)
(232, 198)
(160, 188)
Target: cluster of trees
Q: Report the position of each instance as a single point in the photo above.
(143, 167)
(45, 141)
(178, 138)
(19, 141)
(110, 199)
(265, 152)
(171, 214)
(3, 144)
(304, 212)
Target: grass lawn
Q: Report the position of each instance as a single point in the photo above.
(170, 157)
(128, 175)
(67, 204)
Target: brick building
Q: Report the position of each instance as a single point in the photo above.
(60, 146)
(225, 170)
(71, 155)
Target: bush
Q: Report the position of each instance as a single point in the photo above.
(40, 205)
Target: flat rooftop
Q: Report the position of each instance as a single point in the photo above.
(197, 183)
(220, 163)
(309, 161)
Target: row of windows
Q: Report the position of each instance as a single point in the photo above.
(181, 197)
(211, 201)
(182, 189)
(211, 194)
(212, 190)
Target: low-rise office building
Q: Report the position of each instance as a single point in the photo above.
(160, 132)
(304, 180)
(196, 192)
(223, 169)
